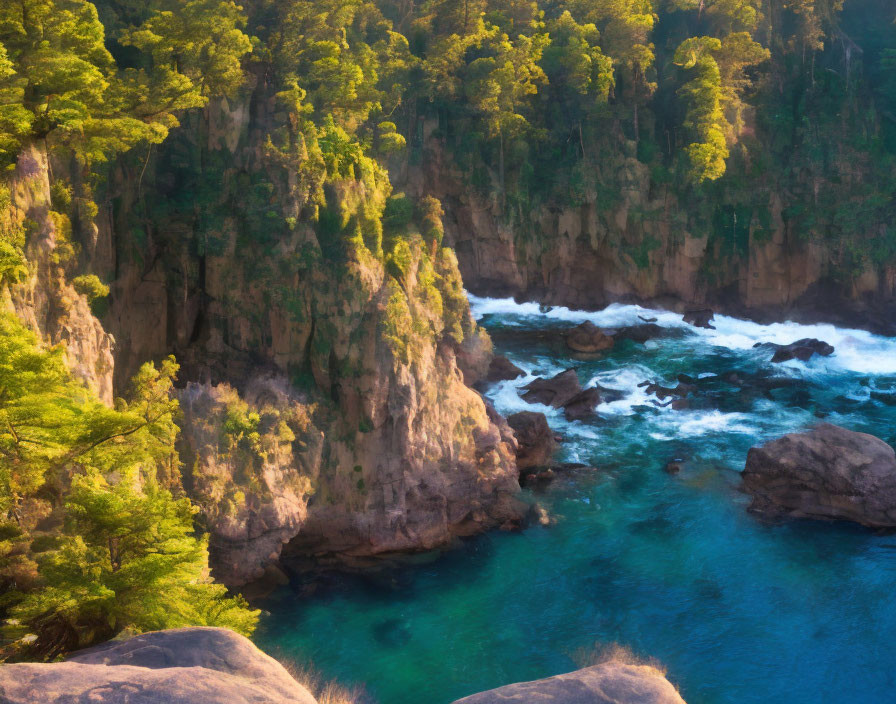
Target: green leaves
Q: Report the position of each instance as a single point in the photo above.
(129, 559)
(202, 41)
(128, 556)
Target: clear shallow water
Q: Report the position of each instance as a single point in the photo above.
(740, 611)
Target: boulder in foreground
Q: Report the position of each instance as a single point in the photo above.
(178, 666)
(829, 472)
(608, 683)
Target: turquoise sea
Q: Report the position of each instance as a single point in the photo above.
(739, 611)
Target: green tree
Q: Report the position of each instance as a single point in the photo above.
(705, 117)
(202, 40)
(128, 560)
(498, 84)
(577, 70)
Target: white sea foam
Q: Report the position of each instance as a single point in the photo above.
(855, 350)
(625, 380)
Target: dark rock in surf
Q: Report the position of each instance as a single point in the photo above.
(829, 472)
(556, 391)
(801, 350)
(673, 467)
(502, 369)
(587, 337)
(535, 440)
(700, 318)
(638, 333)
(582, 405)
(886, 397)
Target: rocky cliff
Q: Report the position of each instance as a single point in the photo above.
(323, 357)
(628, 237)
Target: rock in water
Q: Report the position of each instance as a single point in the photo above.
(535, 439)
(179, 666)
(587, 337)
(639, 333)
(556, 391)
(801, 349)
(608, 683)
(582, 405)
(502, 369)
(700, 318)
(828, 472)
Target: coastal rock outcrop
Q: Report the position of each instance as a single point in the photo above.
(700, 318)
(535, 438)
(249, 463)
(608, 683)
(582, 405)
(828, 472)
(502, 369)
(587, 337)
(556, 391)
(801, 350)
(178, 666)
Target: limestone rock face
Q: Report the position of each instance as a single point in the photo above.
(325, 390)
(608, 683)
(178, 666)
(829, 472)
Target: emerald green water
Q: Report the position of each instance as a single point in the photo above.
(673, 568)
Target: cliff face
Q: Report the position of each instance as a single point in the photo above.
(46, 300)
(323, 401)
(643, 242)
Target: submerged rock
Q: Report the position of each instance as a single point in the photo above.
(587, 337)
(801, 349)
(608, 683)
(556, 391)
(829, 472)
(178, 666)
(534, 437)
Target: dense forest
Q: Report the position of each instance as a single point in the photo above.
(538, 104)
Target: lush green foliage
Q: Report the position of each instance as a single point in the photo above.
(126, 555)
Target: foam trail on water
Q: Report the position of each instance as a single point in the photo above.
(856, 351)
